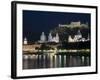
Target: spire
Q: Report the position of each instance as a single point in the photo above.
(79, 35)
(50, 37)
(43, 37)
(57, 37)
(59, 25)
(25, 40)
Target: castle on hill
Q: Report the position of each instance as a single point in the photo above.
(50, 38)
(74, 24)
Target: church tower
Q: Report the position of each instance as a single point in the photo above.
(25, 41)
(50, 37)
(57, 37)
(78, 36)
(43, 37)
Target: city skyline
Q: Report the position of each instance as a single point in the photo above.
(36, 22)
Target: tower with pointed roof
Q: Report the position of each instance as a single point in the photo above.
(49, 37)
(43, 37)
(25, 41)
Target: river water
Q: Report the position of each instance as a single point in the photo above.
(54, 61)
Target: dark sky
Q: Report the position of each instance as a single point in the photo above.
(35, 22)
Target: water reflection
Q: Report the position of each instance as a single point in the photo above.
(54, 61)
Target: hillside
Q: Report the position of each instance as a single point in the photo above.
(64, 32)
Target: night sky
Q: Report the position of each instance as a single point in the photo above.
(36, 22)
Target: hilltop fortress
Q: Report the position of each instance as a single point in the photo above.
(50, 38)
(74, 24)
(54, 41)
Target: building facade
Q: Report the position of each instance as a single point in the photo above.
(78, 38)
(50, 38)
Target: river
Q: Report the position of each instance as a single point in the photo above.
(36, 61)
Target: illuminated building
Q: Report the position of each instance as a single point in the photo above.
(78, 38)
(53, 39)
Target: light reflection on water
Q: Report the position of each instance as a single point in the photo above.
(54, 61)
